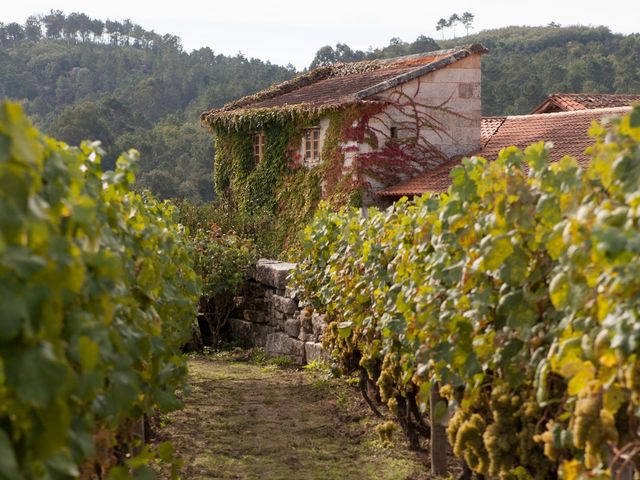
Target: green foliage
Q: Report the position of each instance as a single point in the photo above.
(223, 261)
(222, 257)
(516, 291)
(224, 217)
(328, 55)
(97, 294)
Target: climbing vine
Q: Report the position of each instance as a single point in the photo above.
(279, 183)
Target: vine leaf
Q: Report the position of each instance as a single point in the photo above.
(8, 463)
(581, 379)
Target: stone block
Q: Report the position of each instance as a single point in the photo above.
(285, 305)
(281, 321)
(465, 90)
(254, 289)
(255, 316)
(279, 343)
(292, 327)
(249, 334)
(273, 273)
(245, 303)
(313, 351)
(306, 322)
(319, 323)
(290, 293)
(275, 318)
(307, 337)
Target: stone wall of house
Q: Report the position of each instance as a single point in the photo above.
(268, 314)
(451, 97)
(456, 89)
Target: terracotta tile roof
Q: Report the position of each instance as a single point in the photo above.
(489, 126)
(436, 180)
(346, 83)
(333, 90)
(568, 102)
(566, 130)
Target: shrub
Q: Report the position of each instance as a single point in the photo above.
(223, 261)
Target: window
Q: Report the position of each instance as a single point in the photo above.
(312, 145)
(258, 147)
(393, 133)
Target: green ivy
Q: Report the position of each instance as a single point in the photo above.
(277, 185)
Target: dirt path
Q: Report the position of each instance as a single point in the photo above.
(248, 421)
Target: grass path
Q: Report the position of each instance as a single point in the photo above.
(249, 421)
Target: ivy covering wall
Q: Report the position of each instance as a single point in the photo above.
(280, 184)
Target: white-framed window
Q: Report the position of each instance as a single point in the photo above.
(258, 147)
(311, 143)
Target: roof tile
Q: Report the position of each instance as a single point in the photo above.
(568, 131)
(346, 83)
(568, 102)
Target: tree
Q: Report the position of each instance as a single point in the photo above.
(71, 26)
(85, 26)
(127, 30)
(137, 33)
(442, 24)
(467, 21)
(114, 30)
(324, 56)
(454, 19)
(54, 23)
(423, 44)
(33, 28)
(14, 31)
(97, 29)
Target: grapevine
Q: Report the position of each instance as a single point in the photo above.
(515, 292)
(97, 296)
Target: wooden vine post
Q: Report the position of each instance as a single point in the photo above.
(438, 435)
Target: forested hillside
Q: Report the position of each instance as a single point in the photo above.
(525, 64)
(81, 78)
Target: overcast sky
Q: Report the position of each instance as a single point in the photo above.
(288, 31)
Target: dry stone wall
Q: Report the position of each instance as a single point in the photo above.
(269, 315)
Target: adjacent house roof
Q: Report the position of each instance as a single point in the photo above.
(566, 130)
(489, 126)
(567, 102)
(345, 83)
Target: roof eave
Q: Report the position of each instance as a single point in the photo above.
(219, 118)
(543, 106)
(386, 194)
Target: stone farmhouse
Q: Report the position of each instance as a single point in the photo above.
(410, 121)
